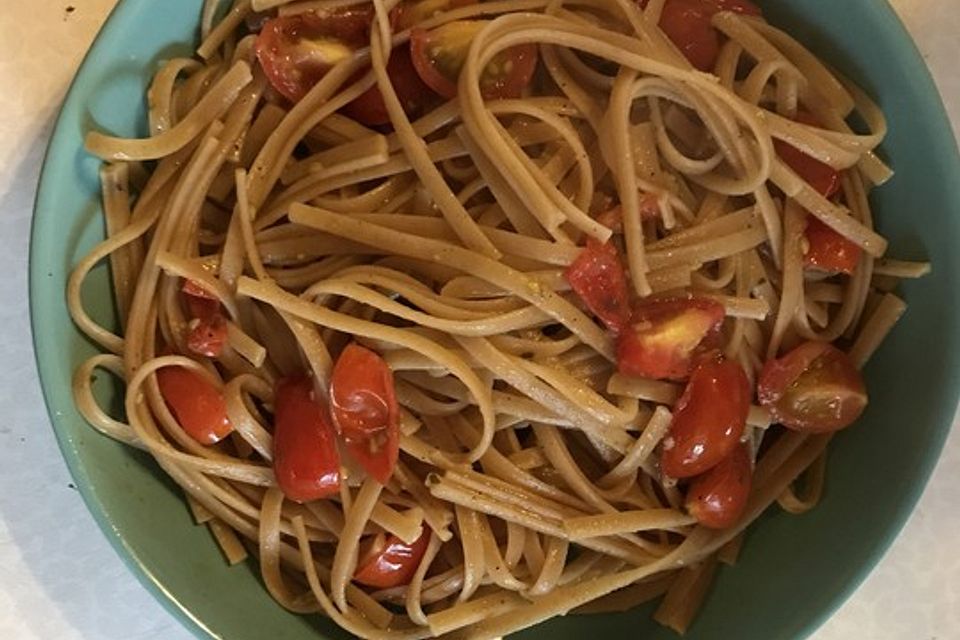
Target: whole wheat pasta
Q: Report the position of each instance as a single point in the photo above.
(383, 325)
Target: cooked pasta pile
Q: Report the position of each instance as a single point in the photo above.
(496, 266)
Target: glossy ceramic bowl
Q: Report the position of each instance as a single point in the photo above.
(794, 571)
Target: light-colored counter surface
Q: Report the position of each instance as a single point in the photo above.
(60, 579)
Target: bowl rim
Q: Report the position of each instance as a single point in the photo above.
(46, 360)
(71, 456)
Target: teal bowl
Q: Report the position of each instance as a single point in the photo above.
(794, 571)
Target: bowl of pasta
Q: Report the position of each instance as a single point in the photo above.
(539, 317)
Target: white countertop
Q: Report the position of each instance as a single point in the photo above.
(60, 579)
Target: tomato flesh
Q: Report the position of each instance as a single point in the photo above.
(718, 498)
(365, 411)
(439, 54)
(708, 420)
(598, 277)
(296, 51)
(664, 336)
(391, 563)
(306, 461)
(827, 250)
(196, 403)
(814, 388)
(822, 177)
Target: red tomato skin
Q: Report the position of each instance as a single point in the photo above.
(305, 457)
(708, 420)
(276, 44)
(208, 336)
(369, 109)
(522, 59)
(786, 387)
(717, 498)
(394, 565)
(687, 24)
(643, 350)
(365, 411)
(828, 250)
(598, 277)
(824, 179)
(197, 405)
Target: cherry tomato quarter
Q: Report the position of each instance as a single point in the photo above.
(665, 335)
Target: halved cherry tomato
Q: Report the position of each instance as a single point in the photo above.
(439, 54)
(197, 405)
(708, 419)
(410, 13)
(718, 497)
(414, 95)
(296, 51)
(306, 461)
(813, 388)
(208, 326)
(822, 177)
(364, 406)
(390, 562)
(664, 336)
(598, 277)
(828, 250)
